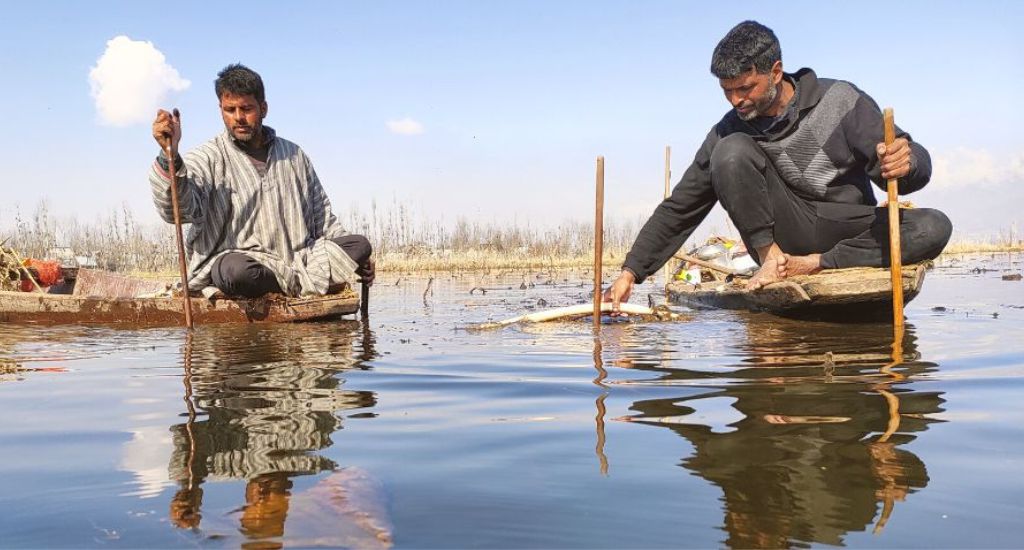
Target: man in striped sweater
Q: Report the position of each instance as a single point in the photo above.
(260, 220)
(792, 164)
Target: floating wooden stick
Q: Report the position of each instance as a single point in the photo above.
(577, 311)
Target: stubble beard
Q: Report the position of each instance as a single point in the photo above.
(766, 104)
(251, 139)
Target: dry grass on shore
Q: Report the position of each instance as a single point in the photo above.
(402, 242)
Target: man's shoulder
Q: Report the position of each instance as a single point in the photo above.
(207, 151)
(287, 145)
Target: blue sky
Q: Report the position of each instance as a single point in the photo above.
(515, 99)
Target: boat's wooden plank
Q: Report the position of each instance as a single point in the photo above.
(66, 309)
(828, 289)
(104, 284)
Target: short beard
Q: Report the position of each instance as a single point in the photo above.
(758, 110)
(253, 139)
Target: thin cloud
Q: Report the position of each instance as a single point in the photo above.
(405, 127)
(964, 167)
(130, 81)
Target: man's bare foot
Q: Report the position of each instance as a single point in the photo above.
(803, 265)
(773, 270)
(782, 266)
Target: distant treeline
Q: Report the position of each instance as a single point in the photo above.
(402, 241)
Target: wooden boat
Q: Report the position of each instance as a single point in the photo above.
(105, 298)
(835, 293)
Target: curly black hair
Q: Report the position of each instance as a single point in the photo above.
(749, 44)
(237, 79)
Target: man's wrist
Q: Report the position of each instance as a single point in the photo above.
(161, 159)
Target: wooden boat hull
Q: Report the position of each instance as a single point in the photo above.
(856, 292)
(55, 309)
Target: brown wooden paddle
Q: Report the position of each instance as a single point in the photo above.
(895, 255)
(187, 303)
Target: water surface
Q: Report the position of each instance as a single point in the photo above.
(725, 429)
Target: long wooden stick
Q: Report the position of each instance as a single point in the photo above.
(704, 263)
(668, 168)
(667, 270)
(186, 301)
(598, 241)
(895, 254)
(578, 310)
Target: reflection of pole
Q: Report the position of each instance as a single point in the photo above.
(897, 353)
(599, 422)
(598, 242)
(599, 364)
(888, 500)
(894, 414)
(599, 419)
(187, 380)
(186, 503)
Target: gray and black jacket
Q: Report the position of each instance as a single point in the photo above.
(825, 151)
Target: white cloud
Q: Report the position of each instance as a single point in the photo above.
(405, 127)
(964, 167)
(130, 81)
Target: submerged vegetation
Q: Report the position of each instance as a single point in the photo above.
(402, 241)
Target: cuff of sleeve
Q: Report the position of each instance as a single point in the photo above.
(636, 273)
(161, 159)
(760, 238)
(828, 260)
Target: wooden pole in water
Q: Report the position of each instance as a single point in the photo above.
(598, 241)
(667, 270)
(895, 254)
(186, 302)
(668, 168)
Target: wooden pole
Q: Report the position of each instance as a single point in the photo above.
(668, 168)
(187, 302)
(895, 254)
(598, 241)
(666, 271)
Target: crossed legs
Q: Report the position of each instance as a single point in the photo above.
(789, 235)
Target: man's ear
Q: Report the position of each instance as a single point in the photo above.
(776, 72)
(263, 107)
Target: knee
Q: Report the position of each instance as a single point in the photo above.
(239, 275)
(733, 151)
(933, 230)
(361, 249)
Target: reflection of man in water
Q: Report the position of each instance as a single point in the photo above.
(270, 405)
(810, 460)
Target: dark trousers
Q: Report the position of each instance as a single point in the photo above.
(764, 210)
(237, 274)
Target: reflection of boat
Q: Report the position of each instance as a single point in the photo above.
(806, 434)
(100, 297)
(861, 291)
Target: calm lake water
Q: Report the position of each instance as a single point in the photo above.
(725, 429)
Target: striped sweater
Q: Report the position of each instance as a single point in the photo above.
(824, 151)
(282, 218)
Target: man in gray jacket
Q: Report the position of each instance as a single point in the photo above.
(260, 220)
(792, 164)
